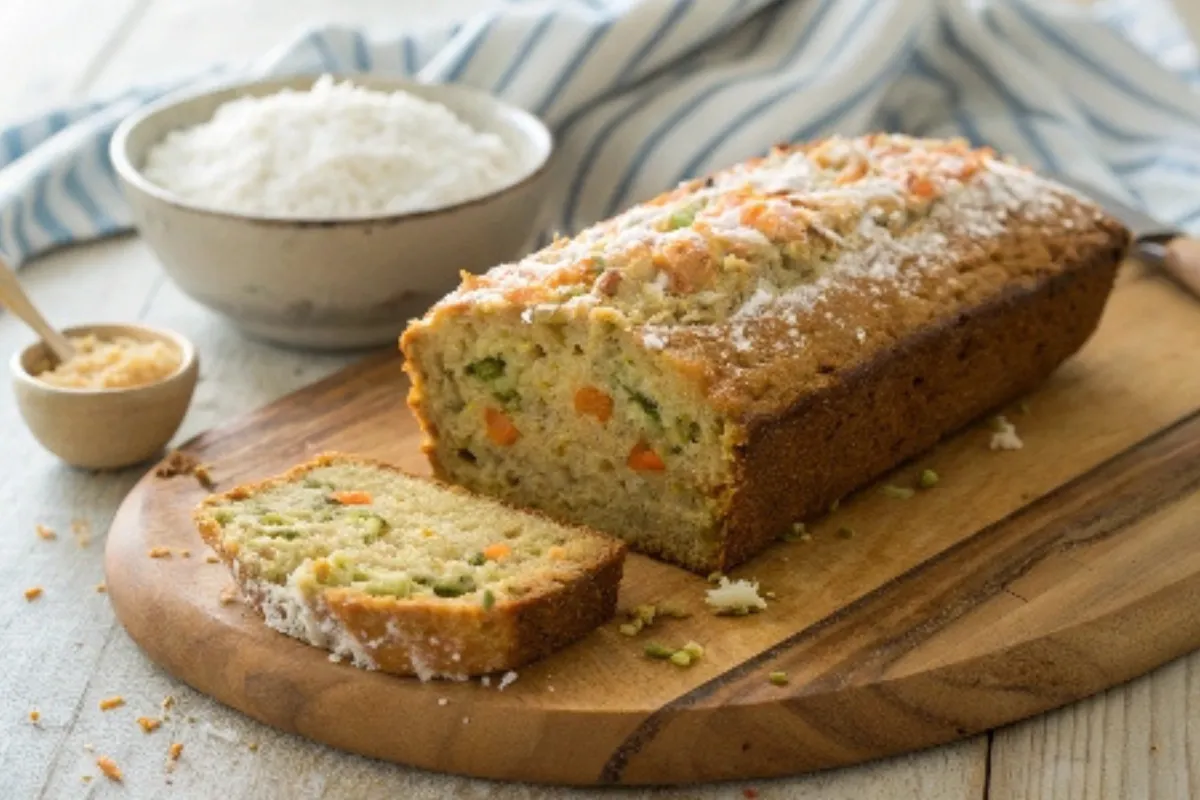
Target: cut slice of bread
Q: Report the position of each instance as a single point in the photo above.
(406, 575)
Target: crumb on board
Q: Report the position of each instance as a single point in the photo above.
(252, 747)
(442, 701)
(178, 463)
(45, 533)
(185, 553)
(735, 598)
(159, 552)
(33, 593)
(85, 778)
(212, 559)
(1004, 435)
(101, 587)
(149, 724)
(168, 702)
(35, 716)
(109, 703)
(109, 768)
(228, 595)
(175, 751)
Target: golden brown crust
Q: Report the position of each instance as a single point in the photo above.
(439, 637)
(794, 465)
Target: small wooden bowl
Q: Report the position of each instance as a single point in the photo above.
(105, 428)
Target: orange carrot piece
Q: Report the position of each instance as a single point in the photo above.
(352, 498)
(643, 459)
(497, 552)
(922, 187)
(594, 403)
(500, 428)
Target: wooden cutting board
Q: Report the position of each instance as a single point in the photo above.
(1025, 580)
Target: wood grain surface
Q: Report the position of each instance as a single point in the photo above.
(1024, 581)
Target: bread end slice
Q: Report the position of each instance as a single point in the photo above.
(408, 576)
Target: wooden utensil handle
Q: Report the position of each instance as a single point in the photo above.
(1182, 260)
(13, 297)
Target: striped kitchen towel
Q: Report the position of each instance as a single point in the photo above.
(643, 94)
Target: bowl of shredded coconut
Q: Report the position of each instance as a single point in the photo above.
(325, 212)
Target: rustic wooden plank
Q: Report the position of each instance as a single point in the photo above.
(1138, 740)
(49, 55)
(210, 38)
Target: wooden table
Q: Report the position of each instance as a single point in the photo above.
(65, 652)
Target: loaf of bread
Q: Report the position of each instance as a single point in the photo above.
(704, 370)
(408, 576)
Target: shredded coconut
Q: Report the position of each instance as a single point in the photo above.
(334, 151)
(1005, 436)
(735, 597)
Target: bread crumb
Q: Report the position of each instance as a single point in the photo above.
(33, 593)
(466, 720)
(35, 716)
(735, 598)
(149, 724)
(204, 476)
(185, 553)
(109, 768)
(177, 463)
(228, 595)
(442, 701)
(159, 552)
(81, 529)
(506, 680)
(212, 559)
(175, 750)
(109, 703)
(252, 747)
(168, 702)
(101, 587)
(45, 533)
(85, 778)
(1004, 435)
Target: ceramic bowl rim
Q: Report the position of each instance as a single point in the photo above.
(187, 361)
(123, 164)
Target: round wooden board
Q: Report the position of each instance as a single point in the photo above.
(1024, 581)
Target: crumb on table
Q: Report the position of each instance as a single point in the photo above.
(228, 595)
(45, 533)
(101, 587)
(109, 703)
(212, 559)
(109, 768)
(35, 716)
(159, 552)
(82, 531)
(33, 593)
(149, 724)
(175, 751)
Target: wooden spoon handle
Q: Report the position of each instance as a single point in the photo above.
(13, 297)
(1182, 260)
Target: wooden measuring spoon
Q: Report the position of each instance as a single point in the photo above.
(13, 297)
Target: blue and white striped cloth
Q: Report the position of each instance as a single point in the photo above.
(642, 94)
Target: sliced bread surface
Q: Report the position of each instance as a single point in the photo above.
(406, 575)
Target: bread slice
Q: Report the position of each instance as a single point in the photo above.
(406, 575)
(704, 370)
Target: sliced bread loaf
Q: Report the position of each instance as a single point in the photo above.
(406, 575)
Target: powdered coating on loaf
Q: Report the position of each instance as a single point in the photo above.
(838, 244)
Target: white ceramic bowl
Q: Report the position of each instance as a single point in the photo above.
(105, 428)
(330, 283)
